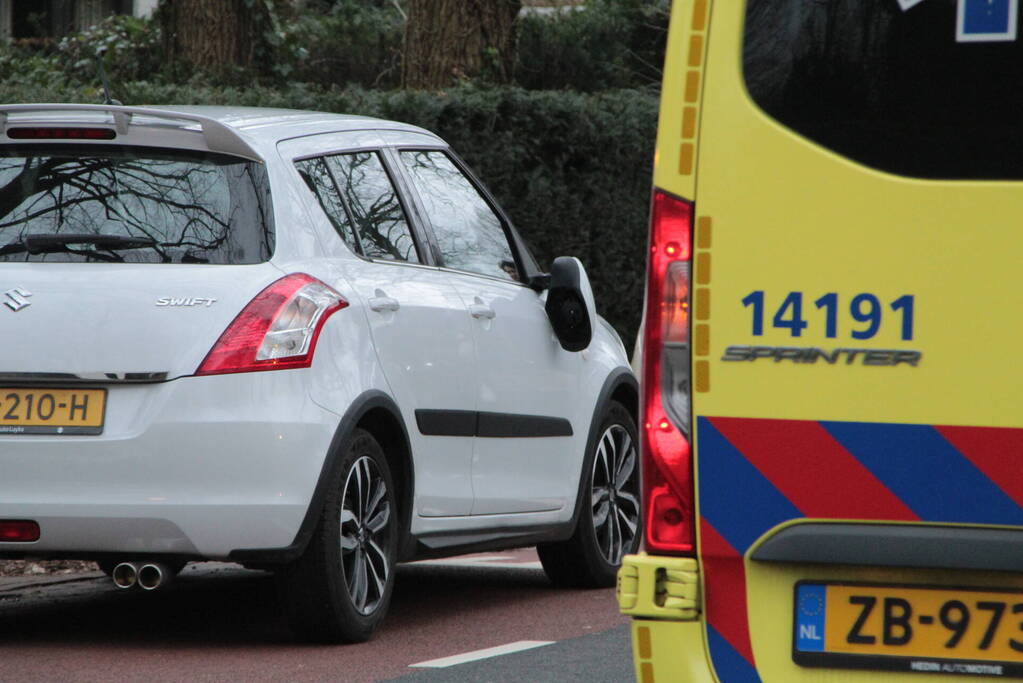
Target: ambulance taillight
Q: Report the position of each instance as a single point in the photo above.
(666, 416)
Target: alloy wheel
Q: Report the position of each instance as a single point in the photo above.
(615, 494)
(365, 533)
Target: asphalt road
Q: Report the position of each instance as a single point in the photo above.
(221, 622)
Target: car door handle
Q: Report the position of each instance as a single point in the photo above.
(481, 311)
(384, 303)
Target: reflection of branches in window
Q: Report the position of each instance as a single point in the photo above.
(383, 230)
(35, 176)
(179, 204)
(322, 182)
(470, 233)
(263, 208)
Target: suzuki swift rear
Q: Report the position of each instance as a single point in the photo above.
(299, 341)
(127, 248)
(832, 433)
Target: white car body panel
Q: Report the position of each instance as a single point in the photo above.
(522, 370)
(84, 320)
(425, 349)
(176, 465)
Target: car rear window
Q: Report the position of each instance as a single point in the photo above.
(184, 207)
(926, 91)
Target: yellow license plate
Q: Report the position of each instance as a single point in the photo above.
(52, 411)
(909, 628)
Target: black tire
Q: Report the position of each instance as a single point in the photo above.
(334, 593)
(609, 524)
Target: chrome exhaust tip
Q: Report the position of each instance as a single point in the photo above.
(153, 575)
(125, 575)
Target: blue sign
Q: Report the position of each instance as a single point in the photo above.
(811, 601)
(986, 20)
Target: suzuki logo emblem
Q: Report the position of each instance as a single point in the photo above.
(17, 299)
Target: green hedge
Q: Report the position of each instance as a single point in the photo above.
(604, 44)
(572, 170)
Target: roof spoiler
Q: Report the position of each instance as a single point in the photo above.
(219, 137)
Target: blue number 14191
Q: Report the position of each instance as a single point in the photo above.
(864, 314)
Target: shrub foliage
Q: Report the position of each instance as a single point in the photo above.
(603, 44)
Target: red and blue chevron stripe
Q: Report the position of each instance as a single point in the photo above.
(756, 473)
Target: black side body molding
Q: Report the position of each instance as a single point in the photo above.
(505, 425)
(359, 407)
(895, 545)
(490, 425)
(446, 422)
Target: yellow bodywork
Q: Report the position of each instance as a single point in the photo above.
(777, 213)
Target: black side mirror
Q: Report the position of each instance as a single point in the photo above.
(570, 306)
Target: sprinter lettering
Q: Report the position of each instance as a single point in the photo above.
(811, 354)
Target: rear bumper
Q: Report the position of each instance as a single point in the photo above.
(196, 467)
(662, 594)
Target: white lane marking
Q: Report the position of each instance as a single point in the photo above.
(506, 565)
(464, 560)
(476, 655)
(481, 562)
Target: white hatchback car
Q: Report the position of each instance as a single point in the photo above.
(299, 341)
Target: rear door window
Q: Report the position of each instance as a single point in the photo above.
(926, 91)
(380, 221)
(321, 181)
(178, 207)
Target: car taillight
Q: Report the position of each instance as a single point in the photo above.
(277, 330)
(667, 466)
(18, 531)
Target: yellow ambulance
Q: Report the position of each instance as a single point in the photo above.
(832, 428)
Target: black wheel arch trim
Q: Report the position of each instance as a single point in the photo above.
(620, 376)
(358, 409)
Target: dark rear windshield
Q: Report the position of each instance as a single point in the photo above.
(926, 91)
(186, 207)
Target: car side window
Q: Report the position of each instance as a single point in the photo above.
(319, 179)
(468, 232)
(383, 230)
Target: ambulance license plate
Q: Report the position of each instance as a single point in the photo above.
(909, 628)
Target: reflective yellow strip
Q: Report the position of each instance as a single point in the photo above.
(643, 640)
(702, 376)
(689, 123)
(701, 340)
(695, 50)
(692, 86)
(700, 15)
(703, 304)
(703, 268)
(703, 225)
(685, 159)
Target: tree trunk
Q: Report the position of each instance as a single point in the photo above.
(213, 34)
(450, 40)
